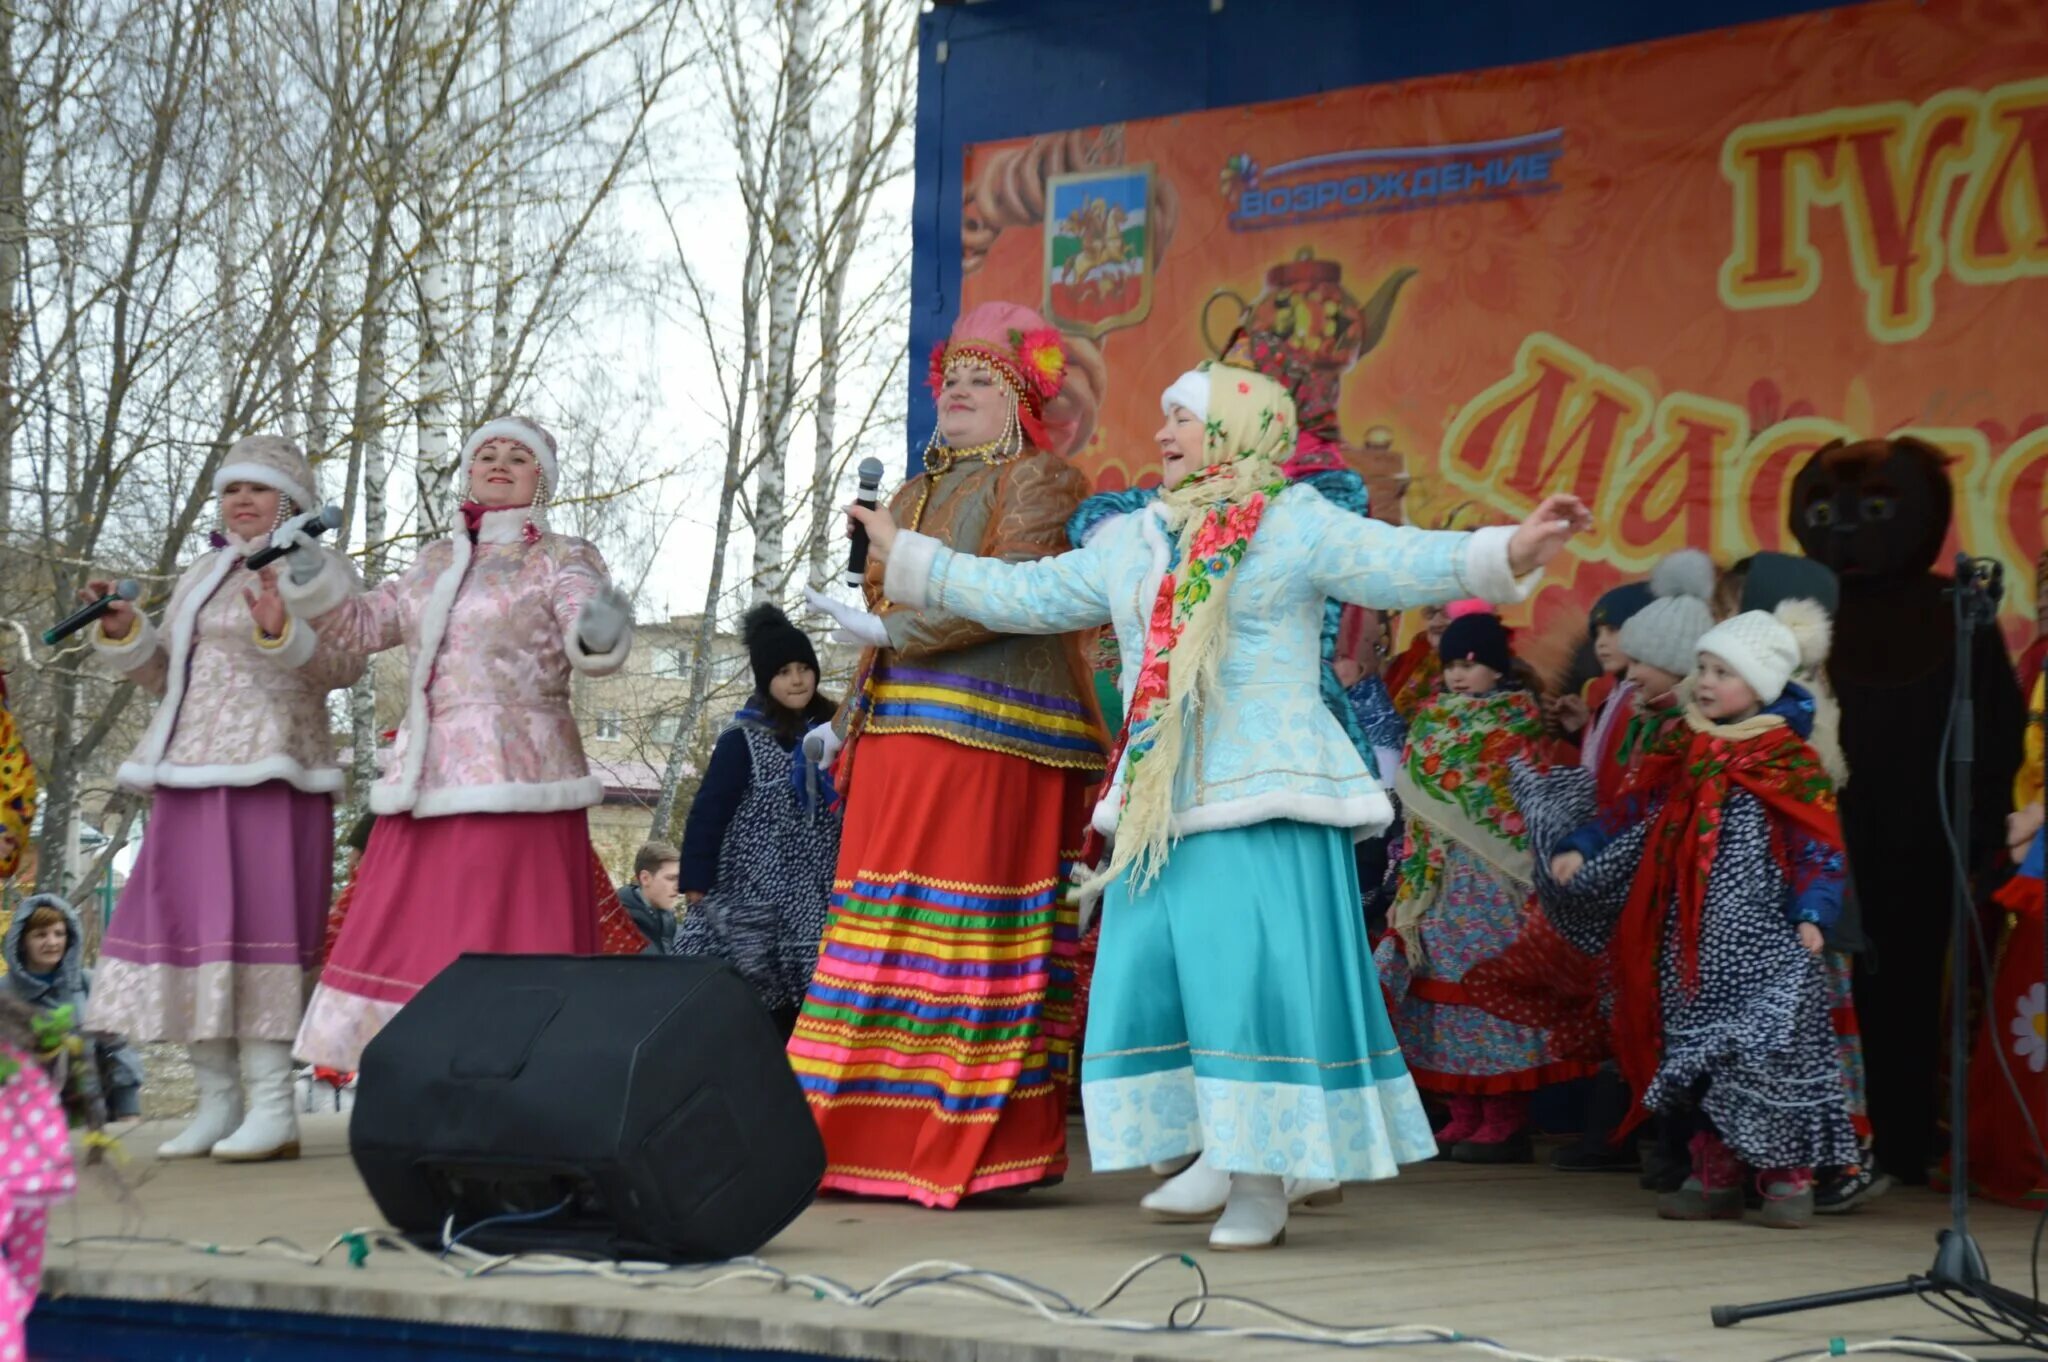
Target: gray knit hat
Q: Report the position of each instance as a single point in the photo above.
(1666, 632)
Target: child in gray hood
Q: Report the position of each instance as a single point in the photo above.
(44, 952)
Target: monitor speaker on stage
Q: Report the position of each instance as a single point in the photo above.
(616, 1107)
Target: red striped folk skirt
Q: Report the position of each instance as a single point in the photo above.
(937, 1041)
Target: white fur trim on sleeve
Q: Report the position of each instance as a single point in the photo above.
(132, 651)
(328, 589)
(597, 664)
(1487, 573)
(294, 648)
(908, 580)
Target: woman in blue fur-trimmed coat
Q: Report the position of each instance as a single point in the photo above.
(1224, 1011)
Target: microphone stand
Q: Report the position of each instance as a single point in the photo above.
(1958, 1268)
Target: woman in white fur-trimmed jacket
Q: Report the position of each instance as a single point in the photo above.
(487, 785)
(217, 938)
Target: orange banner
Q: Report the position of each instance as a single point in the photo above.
(1659, 276)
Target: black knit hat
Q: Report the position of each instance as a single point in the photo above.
(1619, 606)
(1477, 638)
(773, 643)
(1776, 577)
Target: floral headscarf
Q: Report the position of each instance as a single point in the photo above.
(1214, 513)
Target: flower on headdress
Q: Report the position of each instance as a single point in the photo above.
(1042, 355)
(935, 372)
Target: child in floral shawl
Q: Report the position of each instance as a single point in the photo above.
(1464, 879)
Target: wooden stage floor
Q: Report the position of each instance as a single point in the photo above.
(1544, 1263)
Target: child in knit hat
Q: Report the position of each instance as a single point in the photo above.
(1718, 901)
(1543, 981)
(1464, 877)
(762, 836)
(1764, 581)
(1656, 644)
(1573, 714)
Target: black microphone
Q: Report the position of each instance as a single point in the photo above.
(127, 589)
(870, 496)
(328, 519)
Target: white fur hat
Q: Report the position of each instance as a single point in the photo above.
(1190, 390)
(272, 461)
(1765, 649)
(1666, 632)
(526, 431)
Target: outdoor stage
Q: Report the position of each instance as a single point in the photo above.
(1543, 1263)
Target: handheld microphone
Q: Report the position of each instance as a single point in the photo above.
(328, 519)
(870, 496)
(127, 589)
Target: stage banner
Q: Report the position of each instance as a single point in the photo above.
(1658, 276)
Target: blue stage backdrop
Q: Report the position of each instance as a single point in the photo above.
(1015, 68)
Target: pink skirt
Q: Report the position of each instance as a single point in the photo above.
(218, 932)
(431, 889)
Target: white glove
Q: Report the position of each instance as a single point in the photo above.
(855, 625)
(306, 560)
(828, 744)
(602, 621)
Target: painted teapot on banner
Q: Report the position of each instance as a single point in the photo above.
(1305, 320)
(1306, 331)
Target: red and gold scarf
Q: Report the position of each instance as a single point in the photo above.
(1764, 758)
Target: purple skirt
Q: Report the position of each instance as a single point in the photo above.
(218, 932)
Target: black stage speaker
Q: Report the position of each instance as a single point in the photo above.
(646, 1096)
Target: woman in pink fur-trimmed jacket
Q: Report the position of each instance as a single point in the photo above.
(487, 784)
(217, 939)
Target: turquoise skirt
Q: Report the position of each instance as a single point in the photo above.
(1236, 1010)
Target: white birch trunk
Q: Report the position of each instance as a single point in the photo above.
(434, 405)
(785, 227)
(501, 253)
(845, 232)
(13, 240)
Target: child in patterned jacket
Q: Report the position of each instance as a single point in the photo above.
(762, 836)
(1719, 902)
(1464, 880)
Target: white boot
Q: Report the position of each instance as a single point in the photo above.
(271, 1130)
(1255, 1217)
(1315, 1193)
(1198, 1193)
(220, 1101)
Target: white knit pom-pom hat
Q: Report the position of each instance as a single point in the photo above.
(1666, 632)
(526, 431)
(1760, 647)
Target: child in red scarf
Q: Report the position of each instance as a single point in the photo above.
(1721, 1011)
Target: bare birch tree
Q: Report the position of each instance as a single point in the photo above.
(809, 154)
(211, 209)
